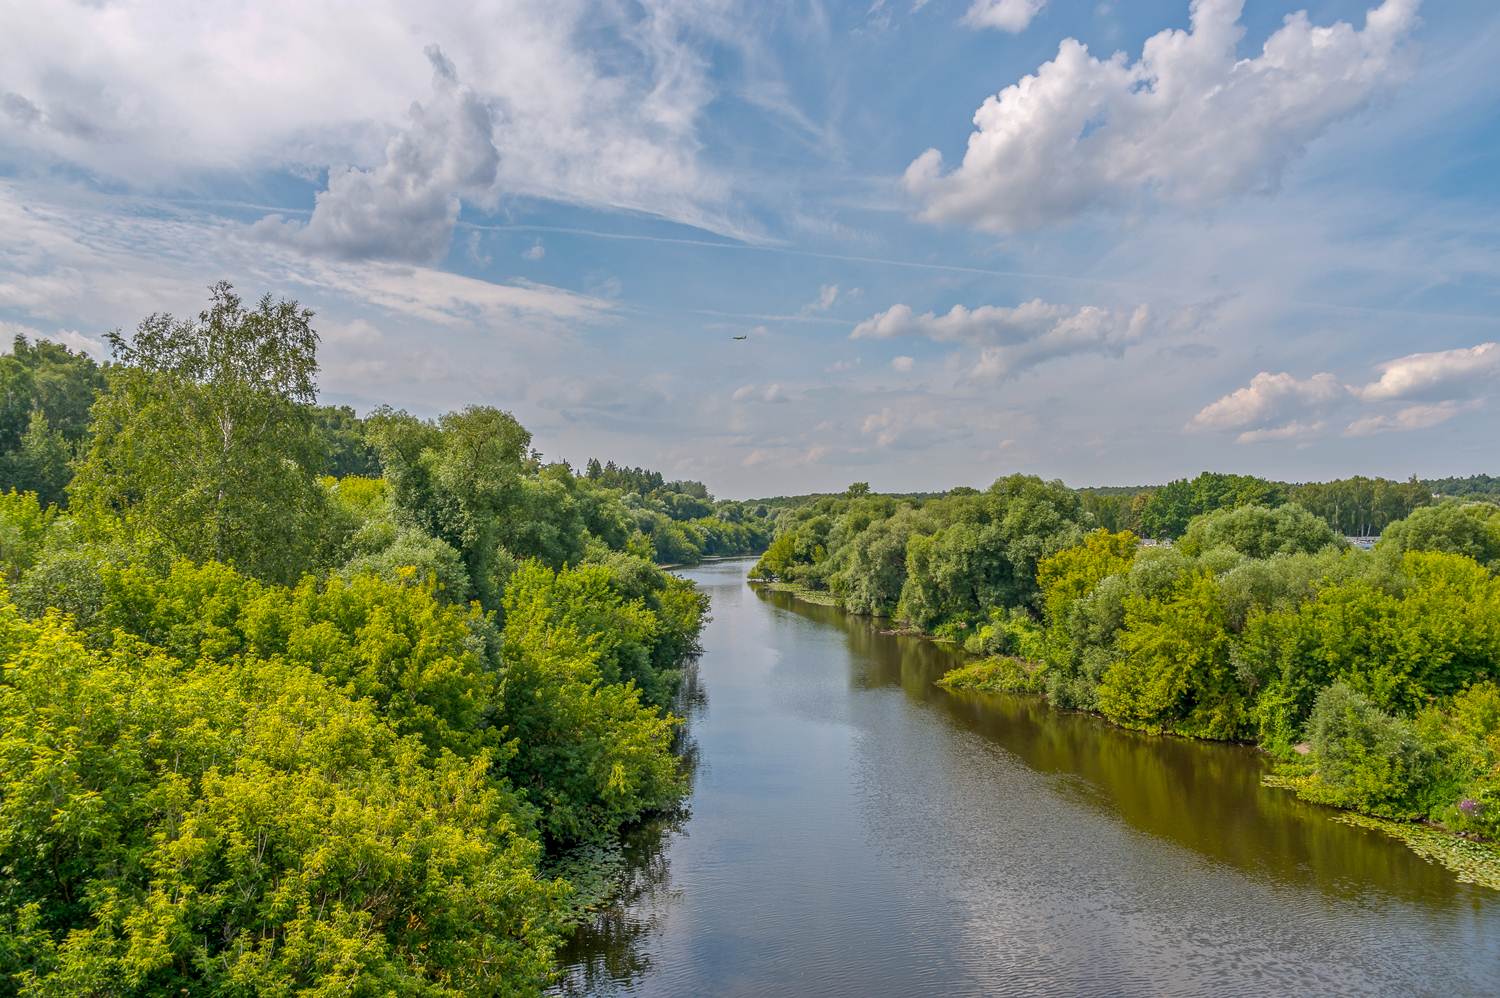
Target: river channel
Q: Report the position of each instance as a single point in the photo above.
(855, 830)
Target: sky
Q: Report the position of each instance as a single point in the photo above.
(784, 246)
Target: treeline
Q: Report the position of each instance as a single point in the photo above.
(1370, 674)
(1355, 507)
(1474, 486)
(266, 729)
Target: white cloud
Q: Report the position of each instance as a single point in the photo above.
(903, 364)
(591, 107)
(1289, 431)
(476, 249)
(1412, 417)
(354, 333)
(924, 422)
(888, 425)
(1007, 15)
(1445, 374)
(1189, 121)
(406, 207)
(1272, 406)
(828, 294)
(1281, 407)
(535, 251)
(70, 338)
(95, 267)
(760, 393)
(785, 456)
(1012, 339)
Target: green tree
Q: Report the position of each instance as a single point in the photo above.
(1361, 507)
(1259, 532)
(345, 448)
(203, 445)
(40, 462)
(240, 825)
(1456, 527)
(590, 753)
(1166, 512)
(988, 557)
(1176, 673)
(464, 480)
(1365, 758)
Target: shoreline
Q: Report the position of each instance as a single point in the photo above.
(1472, 861)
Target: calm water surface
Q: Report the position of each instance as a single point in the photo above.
(854, 830)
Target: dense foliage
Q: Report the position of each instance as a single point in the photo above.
(1370, 674)
(45, 394)
(297, 701)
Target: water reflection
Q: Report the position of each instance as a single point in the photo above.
(611, 951)
(857, 830)
(1205, 796)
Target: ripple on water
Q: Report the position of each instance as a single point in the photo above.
(855, 831)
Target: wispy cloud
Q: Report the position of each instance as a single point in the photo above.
(1012, 339)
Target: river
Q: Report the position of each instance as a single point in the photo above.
(855, 830)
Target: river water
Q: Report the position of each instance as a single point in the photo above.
(855, 830)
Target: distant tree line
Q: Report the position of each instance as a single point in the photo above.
(1355, 507)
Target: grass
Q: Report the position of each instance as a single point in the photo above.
(802, 593)
(1002, 674)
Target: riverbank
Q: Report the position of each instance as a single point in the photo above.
(854, 830)
(1471, 860)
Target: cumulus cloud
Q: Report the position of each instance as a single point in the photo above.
(1287, 431)
(892, 426)
(1412, 417)
(903, 364)
(786, 456)
(1273, 407)
(405, 208)
(924, 422)
(1014, 16)
(1445, 374)
(535, 251)
(1430, 388)
(1189, 121)
(1012, 339)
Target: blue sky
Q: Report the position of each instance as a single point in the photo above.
(1104, 241)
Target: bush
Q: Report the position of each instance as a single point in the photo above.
(1366, 759)
(1010, 632)
(995, 675)
(241, 825)
(590, 753)
(1466, 528)
(1260, 532)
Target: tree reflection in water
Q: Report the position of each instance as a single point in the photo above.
(609, 951)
